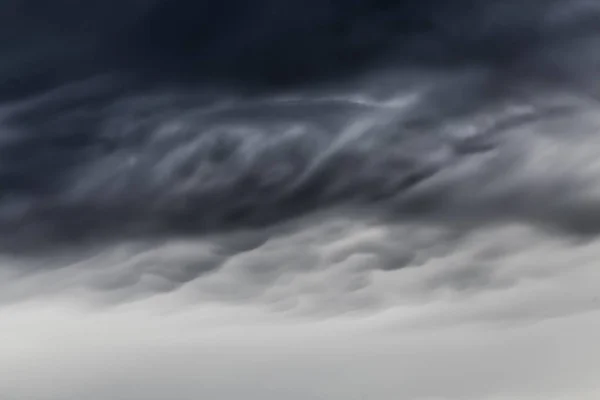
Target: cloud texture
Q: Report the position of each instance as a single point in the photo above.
(316, 200)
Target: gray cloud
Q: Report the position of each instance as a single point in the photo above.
(86, 163)
(158, 348)
(426, 230)
(524, 171)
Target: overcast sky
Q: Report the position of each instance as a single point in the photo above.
(363, 200)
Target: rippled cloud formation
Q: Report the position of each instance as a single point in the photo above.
(303, 200)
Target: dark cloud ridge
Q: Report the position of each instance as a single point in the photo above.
(137, 155)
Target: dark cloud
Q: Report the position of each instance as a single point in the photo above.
(299, 199)
(236, 122)
(266, 42)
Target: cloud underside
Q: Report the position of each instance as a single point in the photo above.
(384, 208)
(476, 281)
(509, 314)
(291, 214)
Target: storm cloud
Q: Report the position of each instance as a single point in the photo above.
(301, 199)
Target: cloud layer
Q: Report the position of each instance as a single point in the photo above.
(328, 200)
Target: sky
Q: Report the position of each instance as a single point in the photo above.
(322, 200)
